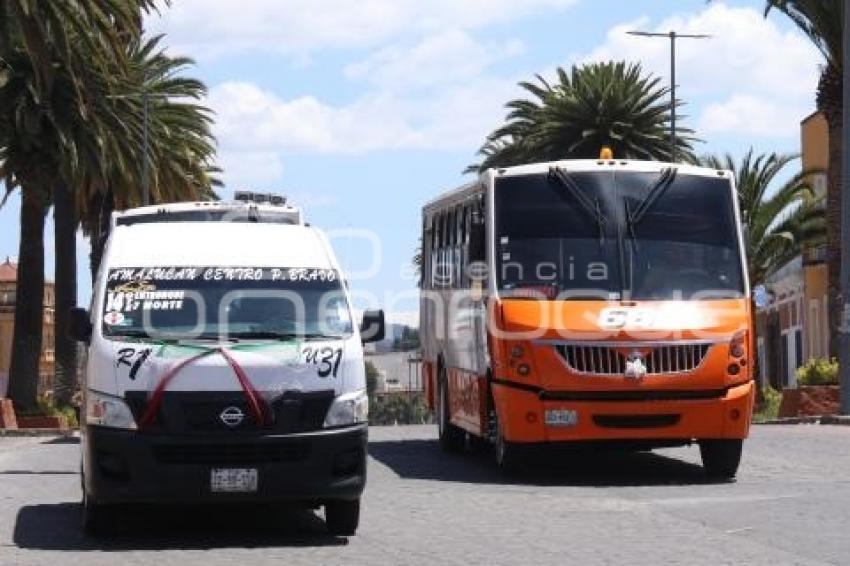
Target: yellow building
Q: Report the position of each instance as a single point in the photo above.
(793, 326)
(8, 282)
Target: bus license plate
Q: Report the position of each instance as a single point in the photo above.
(234, 480)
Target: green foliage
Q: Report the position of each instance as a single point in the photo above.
(371, 378)
(782, 220)
(818, 371)
(769, 409)
(612, 104)
(398, 408)
(48, 408)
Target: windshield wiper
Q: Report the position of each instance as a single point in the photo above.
(659, 187)
(591, 207)
(273, 335)
(130, 333)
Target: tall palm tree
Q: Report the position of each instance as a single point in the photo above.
(106, 172)
(45, 48)
(610, 104)
(821, 21)
(181, 147)
(782, 220)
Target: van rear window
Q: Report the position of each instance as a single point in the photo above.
(243, 301)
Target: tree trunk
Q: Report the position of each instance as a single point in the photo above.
(29, 303)
(97, 241)
(65, 235)
(833, 231)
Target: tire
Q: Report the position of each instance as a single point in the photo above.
(506, 453)
(451, 437)
(720, 458)
(342, 517)
(98, 520)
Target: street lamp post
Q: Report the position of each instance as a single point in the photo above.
(844, 326)
(145, 96)
(673, 36)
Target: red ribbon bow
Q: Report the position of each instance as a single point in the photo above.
(255, 403)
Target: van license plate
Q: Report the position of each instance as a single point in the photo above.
(233, 480)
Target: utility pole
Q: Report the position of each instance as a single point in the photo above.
(145, 97)
(673, 36)
(146, 194)
(844, 327)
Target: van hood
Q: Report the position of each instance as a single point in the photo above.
(272, 367)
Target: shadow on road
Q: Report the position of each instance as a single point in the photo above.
(58, 526)
(423, 459)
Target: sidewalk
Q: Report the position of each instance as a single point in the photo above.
(824, 420)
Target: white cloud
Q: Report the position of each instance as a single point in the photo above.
(444, 57)
(250, 119)
(298, 27)
(751, 115)
(765, 77)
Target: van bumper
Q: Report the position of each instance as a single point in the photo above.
(122, 466)
(727, 414)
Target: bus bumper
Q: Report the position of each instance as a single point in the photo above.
(524, 415)
(124, 466)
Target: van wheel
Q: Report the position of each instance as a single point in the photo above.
(98, 520)
(342, 517)
(451, 437)
(720, 458)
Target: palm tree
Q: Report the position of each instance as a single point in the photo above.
(45, 49)
(106, 172)
(610, 104)
(181, 144)
(821, 21)
(782, 221)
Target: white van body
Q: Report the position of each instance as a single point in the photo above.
(188, 297)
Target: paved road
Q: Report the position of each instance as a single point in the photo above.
(790, 505)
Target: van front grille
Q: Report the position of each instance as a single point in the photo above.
(231, 454)
(661, 359)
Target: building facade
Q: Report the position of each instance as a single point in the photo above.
(793, 326)
(8, 282)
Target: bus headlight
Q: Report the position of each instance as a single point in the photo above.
(348, 409)
(108, 410)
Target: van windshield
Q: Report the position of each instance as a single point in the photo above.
(232, 302)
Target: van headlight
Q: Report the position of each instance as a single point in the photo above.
(108, 410)
(348, 409)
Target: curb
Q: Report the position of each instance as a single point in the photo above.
(37, 432)
(823, 419)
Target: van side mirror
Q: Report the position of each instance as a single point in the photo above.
(79, 325)
(373, 327)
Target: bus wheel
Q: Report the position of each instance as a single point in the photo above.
(720, 458)
(451, 437)
(342, 517)
(504, 451)
(98, 520)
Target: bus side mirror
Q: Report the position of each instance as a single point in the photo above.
(79, 325)
(477, 250)
(761, 296)
(372, 328)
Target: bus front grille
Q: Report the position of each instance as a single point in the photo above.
(611, 359)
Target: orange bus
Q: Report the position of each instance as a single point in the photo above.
(589, 301)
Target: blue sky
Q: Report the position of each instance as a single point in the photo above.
(362, 111)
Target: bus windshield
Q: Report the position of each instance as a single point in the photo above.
(612, 235)
(236, 302)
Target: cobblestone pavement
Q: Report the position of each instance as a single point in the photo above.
(790, 505)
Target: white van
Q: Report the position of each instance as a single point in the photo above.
(223, 364)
